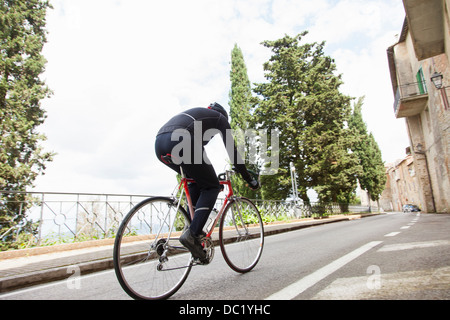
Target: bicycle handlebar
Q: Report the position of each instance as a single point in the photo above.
(253, 174)
(223, 176)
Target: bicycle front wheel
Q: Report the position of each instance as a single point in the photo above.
(149, 261)
(241, 235)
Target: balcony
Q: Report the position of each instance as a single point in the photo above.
(410, 99)
(426, 23)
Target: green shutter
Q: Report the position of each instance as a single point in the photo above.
(421, 81)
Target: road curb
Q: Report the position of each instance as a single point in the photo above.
(21, 253)
(53, 274)
(20, 281)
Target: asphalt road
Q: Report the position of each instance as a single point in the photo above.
(391, 256)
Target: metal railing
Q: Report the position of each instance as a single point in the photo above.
(70, 217)
(409, 90)
(291, 210)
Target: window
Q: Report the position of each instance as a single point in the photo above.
(421, 82)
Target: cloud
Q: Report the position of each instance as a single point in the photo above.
(290, 15)
(344, 20)
(120, 69)
(364, 66)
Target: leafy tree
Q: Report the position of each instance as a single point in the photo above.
(302, 101)
(22, 37)
(337, 169)
(240, 104)
(373, 177)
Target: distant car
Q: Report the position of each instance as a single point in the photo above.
(410, 208)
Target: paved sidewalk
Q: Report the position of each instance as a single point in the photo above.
(22, 268)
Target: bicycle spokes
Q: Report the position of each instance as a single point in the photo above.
(150, 262)
(241, 226)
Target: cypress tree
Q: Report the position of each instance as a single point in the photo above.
(22, 37)
(373, 176)
(240, 103)
(240, 93)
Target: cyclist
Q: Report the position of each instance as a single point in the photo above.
(180, 143)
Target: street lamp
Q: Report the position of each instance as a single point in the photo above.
(436, 78)
(294, 182)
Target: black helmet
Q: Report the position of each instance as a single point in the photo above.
(217, 107)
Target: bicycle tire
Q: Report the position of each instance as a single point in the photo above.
(140, 267)
(242, 226)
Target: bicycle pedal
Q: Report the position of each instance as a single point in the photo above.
(198, 262)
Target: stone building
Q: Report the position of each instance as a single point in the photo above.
(402, 186)
(420, 75)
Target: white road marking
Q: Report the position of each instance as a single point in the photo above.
(303, 284)
(407, 285)
(392, 234)
(414, 245)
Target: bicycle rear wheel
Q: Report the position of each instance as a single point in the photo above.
(148, 264)
(241, 235)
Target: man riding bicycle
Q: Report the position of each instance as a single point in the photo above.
(180, 143)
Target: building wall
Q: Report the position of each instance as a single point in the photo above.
(429, 127)
(447, 28)
(402, 185)
(386, 198)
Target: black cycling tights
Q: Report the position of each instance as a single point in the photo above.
(207, 187)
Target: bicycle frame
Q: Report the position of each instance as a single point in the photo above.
(166, 254)
(184, 184)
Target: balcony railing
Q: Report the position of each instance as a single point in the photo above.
(410, 99)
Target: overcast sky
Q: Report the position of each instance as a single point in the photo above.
(121, 69)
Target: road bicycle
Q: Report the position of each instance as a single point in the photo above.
(150, 262)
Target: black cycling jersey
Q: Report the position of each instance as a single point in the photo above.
(210, 122)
